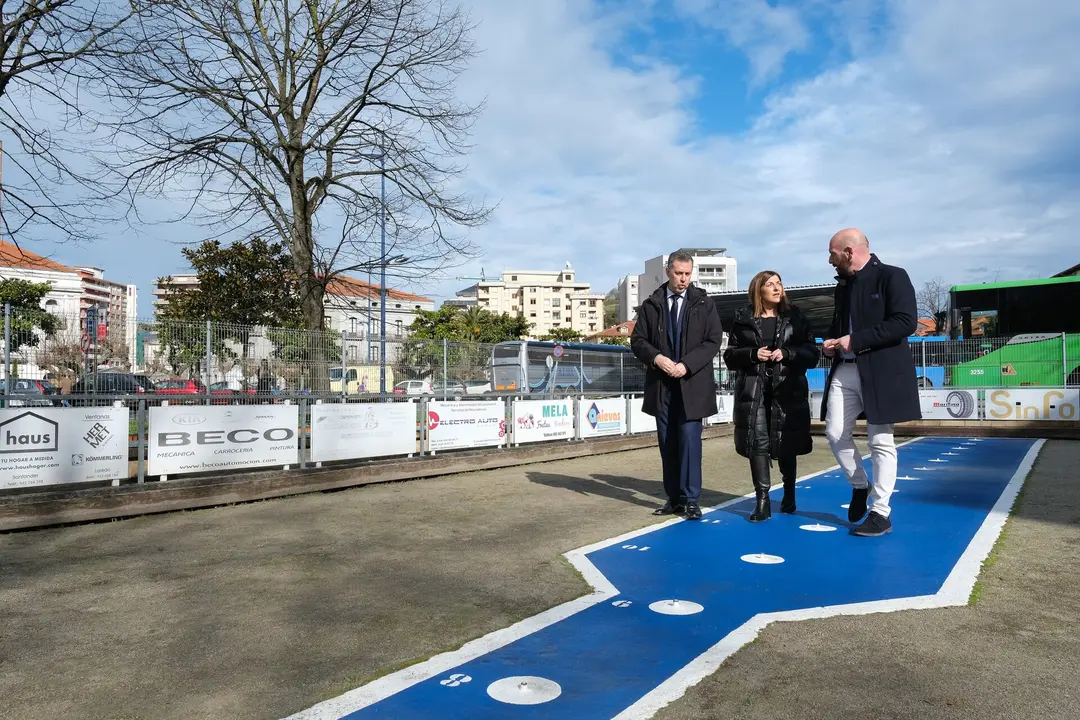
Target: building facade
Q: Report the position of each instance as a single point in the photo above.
(547, 299)
(352, 308)
(714, 272)
(74, 290)
(628, 298)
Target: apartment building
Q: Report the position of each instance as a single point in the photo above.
(176, 283)
(74, 291)
(714, 272)
(352, 308)
(627, 291)
(548, 299)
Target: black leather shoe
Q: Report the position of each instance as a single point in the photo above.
(693, 512)
(874, 525)
(857, 508)
(668, 509)
(762, 507)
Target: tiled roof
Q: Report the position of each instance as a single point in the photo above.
(620, 330)
(351, 287)
(13, 256)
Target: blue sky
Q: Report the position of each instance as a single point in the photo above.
(616, 130)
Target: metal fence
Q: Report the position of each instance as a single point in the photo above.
(88, 357)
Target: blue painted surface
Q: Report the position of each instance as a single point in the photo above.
(607, 657)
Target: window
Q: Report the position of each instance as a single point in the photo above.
(532, 314)
(513, 277)
(532, 301)
(353, 324)
(581, 315)
(397, 305)
(400, 327)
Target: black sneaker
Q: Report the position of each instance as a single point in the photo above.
(693, 512)
(857, 508)
(874, 525)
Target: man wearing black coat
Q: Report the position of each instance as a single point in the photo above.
(873, 372)
(677, 335)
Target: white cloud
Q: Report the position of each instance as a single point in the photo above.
(939, 142)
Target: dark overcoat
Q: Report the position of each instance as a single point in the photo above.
(880, 300)
(700, 340)
(785, 428)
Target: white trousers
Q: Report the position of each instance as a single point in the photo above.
(845, 404)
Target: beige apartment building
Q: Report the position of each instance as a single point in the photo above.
(548, 299)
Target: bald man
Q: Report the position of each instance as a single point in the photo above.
(872, 374)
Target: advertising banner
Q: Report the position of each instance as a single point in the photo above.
(347, 431)
(725, 406)
(51, 446)
(639, 421)
(201, 438)
(540, 420)
(601, 417)
(949, 404)
(1031, 404)
(465, 424)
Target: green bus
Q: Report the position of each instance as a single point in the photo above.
(1037, 329)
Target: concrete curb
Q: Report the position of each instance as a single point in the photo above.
(78, 505)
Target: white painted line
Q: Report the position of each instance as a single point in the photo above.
(603, 590)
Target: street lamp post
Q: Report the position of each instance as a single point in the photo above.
(382, 273)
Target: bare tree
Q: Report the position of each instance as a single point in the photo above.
(286, 118)
(45, 49)
(933, 301)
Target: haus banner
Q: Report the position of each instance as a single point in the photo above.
(949, 404)
(597, 418)
(52, 446)
(201, 438)
(348, 431)
(639, 421)
(456, 424)
(1057, 404)
(541, 420)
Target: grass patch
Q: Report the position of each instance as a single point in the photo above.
(995, 551)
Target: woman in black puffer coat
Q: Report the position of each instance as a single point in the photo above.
(771, 346)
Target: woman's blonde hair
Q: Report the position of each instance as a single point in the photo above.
(757, 285)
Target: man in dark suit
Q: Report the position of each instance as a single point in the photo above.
(677, 335)
(872, 374)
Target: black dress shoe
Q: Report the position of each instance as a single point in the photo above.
(857, 508)
(668, 509)
(693, 512)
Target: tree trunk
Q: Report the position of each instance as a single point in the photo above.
(311, 287)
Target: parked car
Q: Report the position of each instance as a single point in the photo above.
(450, 388)
(477, 387)
(414, 387)
(30, 393)
(108, 383)
(224, 395)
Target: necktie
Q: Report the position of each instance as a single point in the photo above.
(676, 327)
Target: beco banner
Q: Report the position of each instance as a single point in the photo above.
(540, 420)
(466, 424)
(51, 446)
(345, 431)
(199, 438)
(948, 404)
(601, 417)
(1031, 404)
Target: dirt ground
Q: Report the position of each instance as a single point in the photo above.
(260, 610)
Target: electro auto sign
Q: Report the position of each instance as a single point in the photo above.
(191, 439)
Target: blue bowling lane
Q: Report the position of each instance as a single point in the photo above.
(685, 586)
